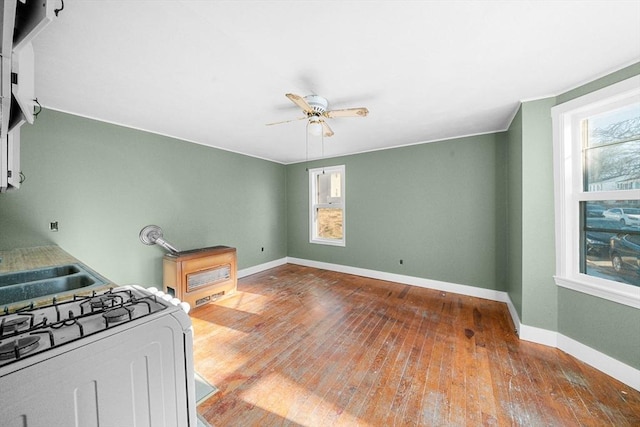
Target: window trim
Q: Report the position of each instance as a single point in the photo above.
(313, 238)
(569, 191)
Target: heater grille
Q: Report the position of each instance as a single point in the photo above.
(208, 277)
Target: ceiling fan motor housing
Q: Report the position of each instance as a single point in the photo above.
(317, 103)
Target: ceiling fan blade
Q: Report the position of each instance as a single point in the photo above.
(326, 130)
(287, 121)
(348, 112)
(300, 102)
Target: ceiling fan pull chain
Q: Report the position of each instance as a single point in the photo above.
(306, 138)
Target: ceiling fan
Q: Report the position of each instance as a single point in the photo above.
(315, 109)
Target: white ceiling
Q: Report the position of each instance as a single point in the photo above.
(215, 72)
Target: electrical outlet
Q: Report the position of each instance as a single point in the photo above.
(401, 262)
(262, 250)
(53, 226)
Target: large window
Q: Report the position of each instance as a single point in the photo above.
(597, 174)
(326, 205)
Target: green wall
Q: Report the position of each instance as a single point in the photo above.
(103, 183)
(440, 207)
(539, 291)
(608, 80)
(531, 238)
(612, 328)
(514, 212)
(606, 326)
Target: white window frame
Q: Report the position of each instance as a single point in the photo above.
(569, 190)
(313, 205)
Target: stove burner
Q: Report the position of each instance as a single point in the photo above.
(118, 314)
(16, 348)
(67, 321)
(103, 301)
(14, 324)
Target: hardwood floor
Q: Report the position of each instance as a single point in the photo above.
(302, 346)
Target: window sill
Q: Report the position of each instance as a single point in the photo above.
(620, 293)
(328, 242)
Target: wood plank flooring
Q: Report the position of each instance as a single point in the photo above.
(298, 346)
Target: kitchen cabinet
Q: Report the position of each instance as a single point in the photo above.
(20, 22)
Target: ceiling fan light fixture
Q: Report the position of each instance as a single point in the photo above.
(314, 127)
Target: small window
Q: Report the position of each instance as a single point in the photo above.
(327, 205)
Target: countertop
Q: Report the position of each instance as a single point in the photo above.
(31, 258)
(38, 257)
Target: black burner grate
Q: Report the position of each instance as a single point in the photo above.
(74, 319)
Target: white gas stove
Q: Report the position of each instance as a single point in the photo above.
(120, 357)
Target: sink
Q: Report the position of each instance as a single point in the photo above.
(30, 285)
(39, 274)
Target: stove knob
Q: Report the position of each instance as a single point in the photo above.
(185, 306)
(153, 290)
(167, 297)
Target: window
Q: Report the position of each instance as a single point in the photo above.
(597, 192)
(326, 205)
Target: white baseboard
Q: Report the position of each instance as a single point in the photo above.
(610, 366)
(538, 335)
(407, 280)
(602, 362)
(514, 315)
(261, 267)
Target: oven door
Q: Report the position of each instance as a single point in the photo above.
(136, 376)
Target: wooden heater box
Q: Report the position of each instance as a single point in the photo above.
(200, 276)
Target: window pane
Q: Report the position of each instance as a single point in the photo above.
(329, 187)
(326, 205)
(611, 147)
(613, 167)
(610, 240)
(329, 223)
